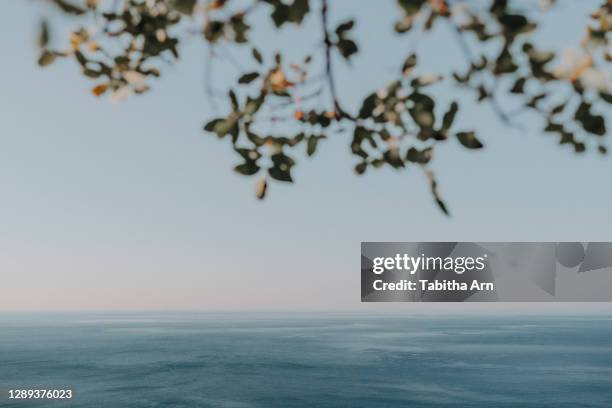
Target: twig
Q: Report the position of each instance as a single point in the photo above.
(208, 72)
(491, 94)
(328, 62)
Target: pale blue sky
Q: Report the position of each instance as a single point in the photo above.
(131, 205)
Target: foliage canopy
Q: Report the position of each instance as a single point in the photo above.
(399, 125)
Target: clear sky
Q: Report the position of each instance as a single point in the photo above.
(132, 206)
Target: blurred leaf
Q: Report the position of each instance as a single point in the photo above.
(409, 63)
(247, 169)
(606, 97)
(68, 7)
(184, 6)
(449, 117)
(533, 102)
(423, 110)
(43, 37)
(419, 156)
(298, 11)
(289, 13)
(222, 126)
(360, 168)
(233, 100)
(312, 143)
(442, 206)
(558, 109)
(519, 86)
(281, 169)
(98, 90)
(411, 7)
(46, 58)
(280, 175)
(392, 157)
(469, 140)
(252, 105)
(214, 30)
(248, 154)
(248, 78)
(591, 123)
(347, 48)
(433, 185)
(257, 55)
(368, 106)
(344, 27)
(553, 127)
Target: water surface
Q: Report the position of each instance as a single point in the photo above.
(285, 360)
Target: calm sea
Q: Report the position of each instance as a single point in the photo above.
(284, 360)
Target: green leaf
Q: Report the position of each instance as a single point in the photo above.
(606, 97)
(252, 105)
(296, 139)
(210, 126)
(469, 140)
(344, 27)
(91, 73)
(558, 109)
(360, 168)
(82, 59)
(504, 64)
(184, 6)
(594, 124)
(247, 169)
(280, 14)
(281, 169)
(404, 25)
(248, 78)
(68, 7)
(214, 30)
(255, 139)
(519, 86)
(281, 159)
(392, 157)
(248, 154)
(409, 63)
(442, 206)
(233, 99)
(222, 127)
(515, 24)
(553, 127)
(411, 7)
(46, 58)
(347, 47)
(533, 102)
(433, 185)
(298, 11)
(311, 146)
(419, 156)
(449, 117)
(43, 37)
(257, 55)
(423, 110)
(367, 107)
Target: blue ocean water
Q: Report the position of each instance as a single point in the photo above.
(284, 360)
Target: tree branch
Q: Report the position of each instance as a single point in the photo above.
(470, 59)
(331, 82)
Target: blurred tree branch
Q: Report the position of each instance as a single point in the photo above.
(398, 126)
